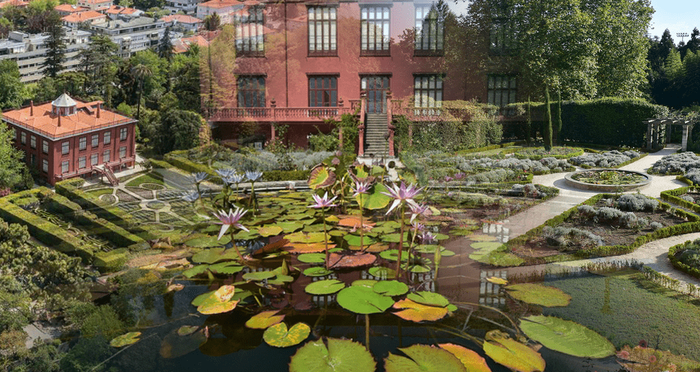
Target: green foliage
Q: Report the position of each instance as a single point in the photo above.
(292, 175)
(686, 257)
(86, 355)
(12, 90)
(349, 124)
(13, 169)
(103, 321)
(55, 45)
(324, 141)
(178, 130)
(547, 130)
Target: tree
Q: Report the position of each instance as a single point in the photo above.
(165, 46)
(177, 130)
(547, 133)
(212, 22)
(217, 78)
(56, 48)
(693, 44)
(140, 72)
(13, 170)
(184, 70)
(12, 90)
(100, 65)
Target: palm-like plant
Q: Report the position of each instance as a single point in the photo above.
(140, 73)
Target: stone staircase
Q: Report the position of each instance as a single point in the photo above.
(375, 129)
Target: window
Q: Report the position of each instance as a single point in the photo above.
(107, 138)
(430, 27)
(82, 144)
(427, 91)
(32, 142)
(323, 38)
(45, 147)
(95, 140)
(105, 157)
(93, 159)
(122, 152)
(65, 166)
(374, 26)
(501, 90)
(251, 91)
(323, 91)
(23, 138)
(81, 162)
(45, 166)
(249, 33)
(501, 35)
(123, 133)
(65, 148)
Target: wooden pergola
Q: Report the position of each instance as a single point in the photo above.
(656, 130)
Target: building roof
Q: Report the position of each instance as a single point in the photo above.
(96, 1)
(17, 3)
(181, 18)
(221, 3)
(41, 119)
(118, 9)
(82, 16)
(181, 45)
(69, 8)
(64, 100)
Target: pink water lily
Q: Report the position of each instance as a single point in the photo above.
(401, 194)
(427, 237)
(230, 219)
(418, 210)
(323, 202)
(361, 188)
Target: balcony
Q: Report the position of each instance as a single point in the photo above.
(281, 114)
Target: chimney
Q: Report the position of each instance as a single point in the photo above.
(98, 110)
(31, 108)
(59, 119)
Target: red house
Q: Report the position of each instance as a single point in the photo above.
(68, 138)
(300, 62)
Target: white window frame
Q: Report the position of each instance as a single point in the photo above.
(45, 146)
(65, 166)
(65, 148)
(82, 143)
(107, 138)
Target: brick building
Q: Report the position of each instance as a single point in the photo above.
(68, 138)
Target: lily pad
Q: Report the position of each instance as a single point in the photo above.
(321, 176)
(382, 272)
(393, 255)
(369, 283)
(226, 268)
(429, 298)
(279, 336)
(258, 275)
(324, 287)
(290, 226)
(312, 258)
(125, 339)
(566, 337)
(264, 319)
(308, 248)
(469, 358)
(390, 288)
(194, 271)
(333, 356)
(208, 241)
(238, 295)
(374, 199)
(363, 300)
(214, 255)
(357, 259)
(423, 358)
(416, 312)
(418, 269)
(317, 271)
(394, 238)
(269, 231)
(355, 240)
(187, 330)
(301, 237)
(499, 281)
(538, 294)
(483, 238)
(486, 245)
(512, 354)
(220, 301)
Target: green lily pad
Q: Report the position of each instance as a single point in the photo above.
(214, 255)
(393, 255)
(337, 356)
(428, 248)
(281, 279)
(538, 294)
(279, 336)
(394, 238)
(312, 257)
(337, 233)
(258, 275)
(566, 337)
(208, 241)
(194, 271)
(269, 231)
(440, 236)
(486, 245)
(219, 301)
(423, 358)
(300, 237)
(226, 268)
(264, 320)
(418, 269)
(324, 287)
(382, 272)
(317, 271)
(429, 298)
(125, 339)
(374, 199)
(512, 354)
(290, 226)
(246, 235)
(369, 283)
(390, 288)
(187, 330)
(354, 240)
(363, 300)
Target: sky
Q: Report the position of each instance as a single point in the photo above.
(676, 15)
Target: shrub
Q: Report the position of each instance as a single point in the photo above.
(608, 159)
(294, 175)
(636, 203)
(678, 163)
(567, 239)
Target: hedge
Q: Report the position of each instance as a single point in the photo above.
(671, 196)
(680, 265)
(160, 163)
(71, 190)
(612, 250)
(490, 147)
(178, 161)
(293, 175)
(578, 152)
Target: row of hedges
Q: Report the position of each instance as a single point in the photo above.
(612, 250)
(71, 190)
(292, 175)
(177, 160)
(607, 121)
(680, 265)
(671, 196)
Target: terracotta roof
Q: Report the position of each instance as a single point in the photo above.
(45, 122)
(117, 9)
(83, 16)
(220, 3)
(181, 45)
(18, 3)
(68, 8)
(181, 18)
(96, 1)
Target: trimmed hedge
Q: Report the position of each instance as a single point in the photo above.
(490, 147)
(671, 196)
(578, 152)
(612, 250)
(178, 161)
(293, 175)
(160, 163)
(680, 265)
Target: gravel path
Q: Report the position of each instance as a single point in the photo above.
(652, 254)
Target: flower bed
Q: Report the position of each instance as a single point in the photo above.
(686, 257)
(610, 159)
(607, 180)
(537, 153)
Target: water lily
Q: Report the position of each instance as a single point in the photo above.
(323, 202)
(402, 193)
(418, 210)
(426, 237)
(199, 177)
(360, 189)
(190, 196)
(230, 219)
(253, 176)
(225, 173)
(416, 226)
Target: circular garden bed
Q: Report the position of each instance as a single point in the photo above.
(607, 180)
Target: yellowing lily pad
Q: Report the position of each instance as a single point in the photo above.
(469, 358)
(566, 337)
(337, 356)
(538, 294)
(496, 280)
(264, 319)
(219, 301)
(279, 336)
(416, 312)
(512, 354)
(269, 231)
(308, 248)
(125, 339)
(423, 358)
(301, 237)
(483, 238)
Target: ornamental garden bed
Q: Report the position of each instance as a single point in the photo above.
(607, 180)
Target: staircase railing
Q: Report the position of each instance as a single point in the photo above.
(107, 172)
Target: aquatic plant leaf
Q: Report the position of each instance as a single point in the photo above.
(269, 231)
(420, 269)
(375, 199)
(471, 360)
(308, 248)
(440, 236)
(538, 294)
(393, 255)
(429, 298)
(208, 241)
(354, 222)
(394, 238)
(317, 271)
(354, 240)
(246, 235)
(272, 247)
(461, 232)
(290, 226)
(336, 260)
(214, 255)
(337, 233)
(566, 336)
(194, 271)
(301, 237)
(332, 219)
(219, 301)
(428, 248)
(496, 280)
(338, 356)
(321, 176)
(423, 358)
(226, 268)
(125, 339)
(175, 287)
(279, 336)
(486, 245)
(280, 280)
(416, 312)
(175, 345)
(483, 238)
(264, 319)
(512, 354)
(363, 300)
(324, 287)
(187, 330)
(258, 275)
(382, 272)
(369, 283)
(312, 257)
(390, 288)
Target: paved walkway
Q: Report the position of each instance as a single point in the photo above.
(652, 254)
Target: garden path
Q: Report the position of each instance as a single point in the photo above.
(652, 254)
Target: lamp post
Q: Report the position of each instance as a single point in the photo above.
(682, 35)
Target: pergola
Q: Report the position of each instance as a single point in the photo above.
(656, 128)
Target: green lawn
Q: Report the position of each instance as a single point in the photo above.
(628, 308)
(146, 178)
(98, 192)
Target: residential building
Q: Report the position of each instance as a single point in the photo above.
(132, 35)
(29, 51)
(68, 9)
(223, 8)
(189, 7)
(118, 11)
(89, 17)
(96, 5)
(181, 45)
(184, 23)
(68, 138)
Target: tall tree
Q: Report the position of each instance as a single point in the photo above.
(12, 90)
(212, 22)
(140, 72)
(56, 48)
(165, 46)
(693, 44)
(12, 166)
(99, 61)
